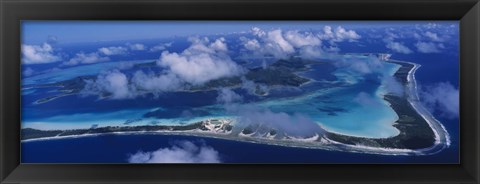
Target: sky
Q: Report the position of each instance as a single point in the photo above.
(37, 32)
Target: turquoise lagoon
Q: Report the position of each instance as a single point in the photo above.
(349, 105)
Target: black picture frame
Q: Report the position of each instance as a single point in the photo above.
(13, 11)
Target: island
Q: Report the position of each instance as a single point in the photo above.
(420, 133)
(281, 73)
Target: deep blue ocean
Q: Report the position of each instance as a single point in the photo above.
(113, 148)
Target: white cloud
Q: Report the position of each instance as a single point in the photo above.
(198, 69)
(392, 85)
(327, 33)
(258, 32)
(428, 47)
(430, 38)
(431, 25)
(338, 34)
(271, 43)
(295, 125)
(181, 152)
(109, 51)
(113, 83)
(342, 34)
(199, 45)
(228, 96)
(311, 52)
(298, 39)
(201, 62)
(219, 45)
(38, 54)
(276, 39)
(283, 44)
(102, 54)
(398, 47)
(442, 98)
(161, 47)
(251, 87)
(155, 83)
(116, 84)
(433, 36)
(82, 58)
(252, 44)
(361, 66)
(390, 35)
(137, 46)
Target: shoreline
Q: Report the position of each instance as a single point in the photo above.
(324, 142)
(442, 138)
(332, 146)
(417, 142)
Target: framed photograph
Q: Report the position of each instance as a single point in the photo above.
(200, 91)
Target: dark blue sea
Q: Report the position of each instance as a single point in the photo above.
(113, 148)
